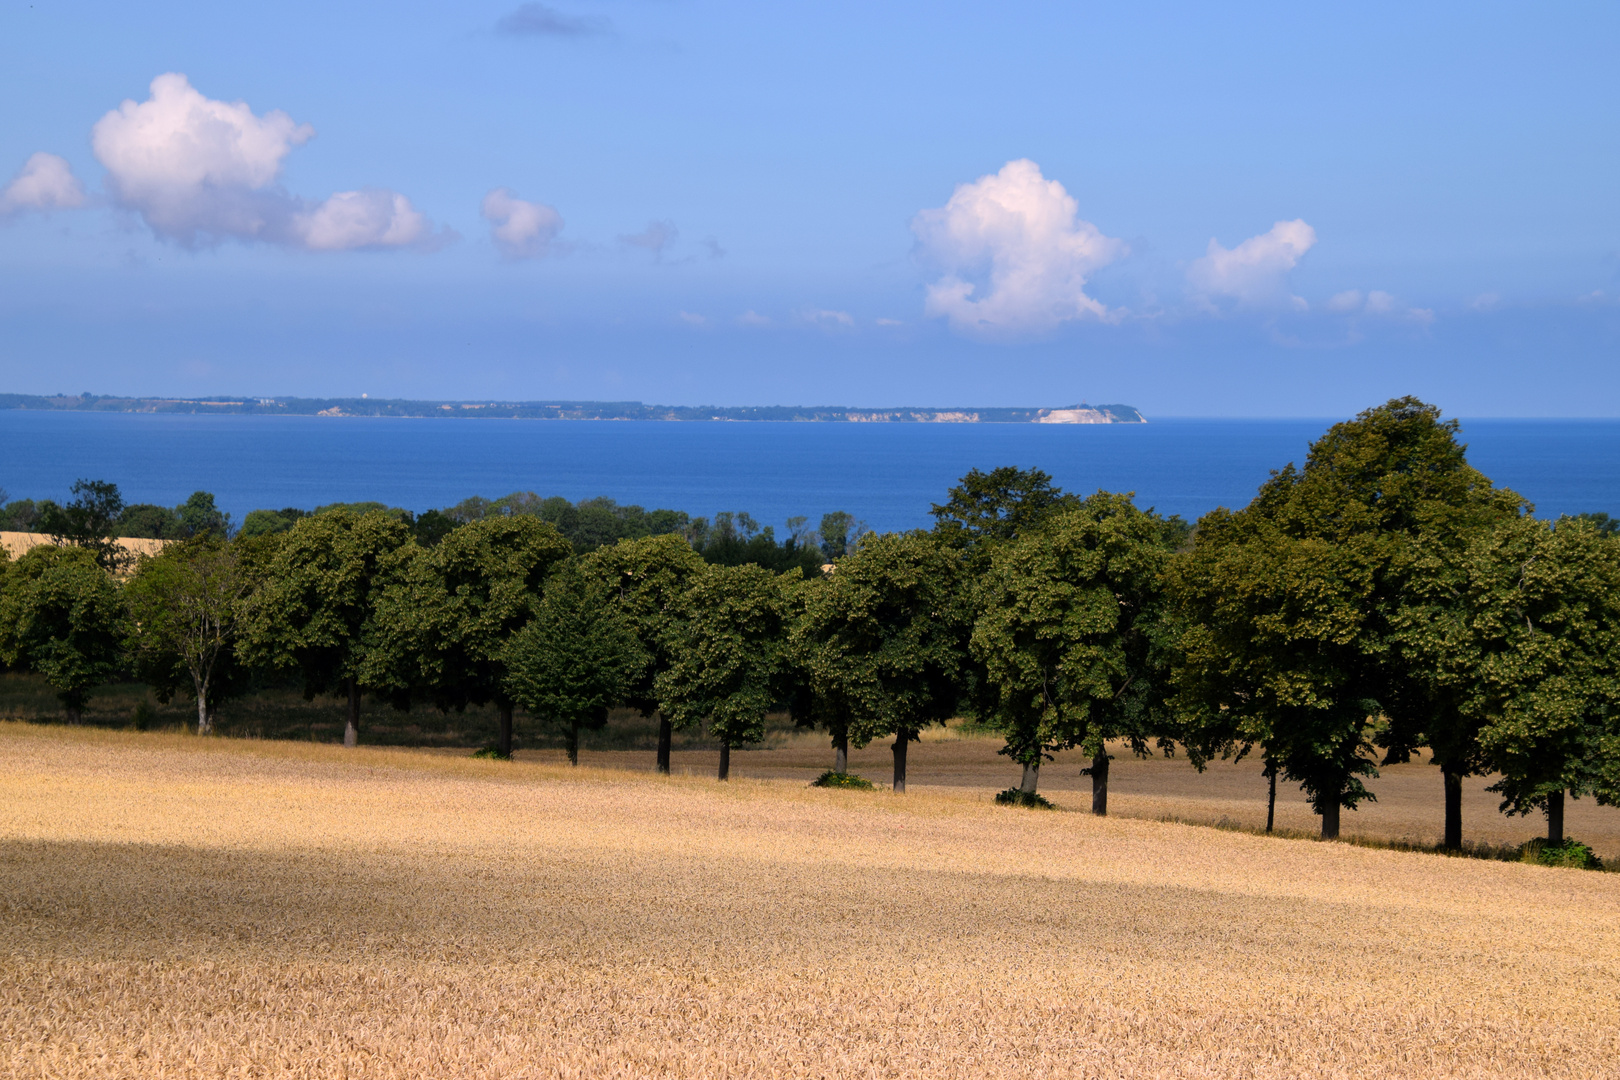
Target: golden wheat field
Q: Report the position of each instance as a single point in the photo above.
(179, 907)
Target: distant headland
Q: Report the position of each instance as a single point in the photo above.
(570, 410)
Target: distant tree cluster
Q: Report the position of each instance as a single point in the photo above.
(1382, 599)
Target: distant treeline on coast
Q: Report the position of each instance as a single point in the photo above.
(568, 410)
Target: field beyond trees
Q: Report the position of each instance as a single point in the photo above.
(173, 906)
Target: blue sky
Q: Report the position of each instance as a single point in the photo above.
(1197, 209)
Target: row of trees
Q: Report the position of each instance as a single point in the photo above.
(1383, 598)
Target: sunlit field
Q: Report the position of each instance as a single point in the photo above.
(173, 906)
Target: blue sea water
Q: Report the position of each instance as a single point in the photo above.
(886, 474)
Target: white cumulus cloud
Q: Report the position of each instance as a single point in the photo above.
(521, 229)
(45, 183)
(1255, 273)
(1015, 253)
(200, 171)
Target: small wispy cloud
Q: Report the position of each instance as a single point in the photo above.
(656, 238)
(519, 228)
(692, 318)
(1378, 304)
(542, 20)
(753, 318)
(829, 319)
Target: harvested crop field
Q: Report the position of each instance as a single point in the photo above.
(171, 907)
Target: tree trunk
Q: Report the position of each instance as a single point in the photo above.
(1099, 784)
(503, 734)
(1453, 781)
(1330, 821)
(1031, 780)
(351, 730)
(1555, 819)
(74, 716)
(840, 751)
(902, 739)
(571, 744)
(725, 762)
(1271, 796)
(665, 730)
(205, 719)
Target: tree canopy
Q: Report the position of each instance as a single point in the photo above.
(62, 616)
(1073, 634)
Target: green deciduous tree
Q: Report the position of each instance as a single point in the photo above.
(443, 625)
(184, 605)
(1292, 606)
(647, 580)
(989, 507)
(88, 522)
(1072, 631)
(316, 611)
(575, 660)
(727, 655)
(62, 616)
(1530, 657)
(883, 641)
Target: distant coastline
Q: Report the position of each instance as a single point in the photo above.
(570, 410)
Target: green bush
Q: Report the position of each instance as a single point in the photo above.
(493, 752)
(143, 716)
(830, 778)
(1569, 853)
(1016, 797)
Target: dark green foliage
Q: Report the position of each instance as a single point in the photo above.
(443, 622)
(1544, 643)
(834, 779)
(431, 526)
(146, 521)
(840, 532)
(1072, 631)
(587, 525)
(988, 507)
(184, 606)
(727, 646)
(492, 753)
(143, 716)
(270, 522)
(575, 659)
(316, 612)
(198, 516)
(883, 639)
(88, 521)
(1603, 523)
(22, 515)
(647, 580)
(1293, 606)
(1027, 799)
(62, 616)
(736, 539)
(1570, 853)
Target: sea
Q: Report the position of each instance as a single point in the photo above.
(887, 475)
